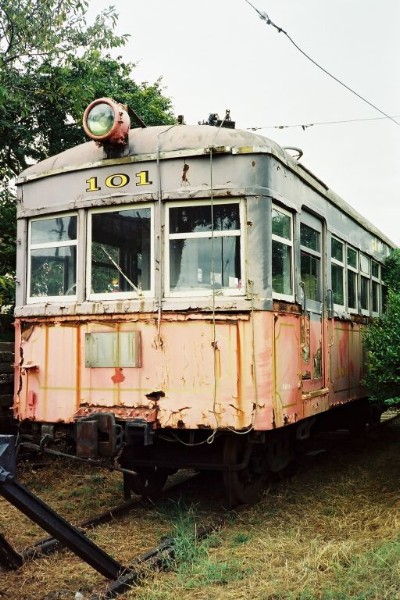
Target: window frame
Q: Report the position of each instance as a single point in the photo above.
(63, 244)
(342, 264)
(376, 279)
(365, 276)
(290, 244)
(355, 270)
(240, 233)
(93, 296)
(316, 225)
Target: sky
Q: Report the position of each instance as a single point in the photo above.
(215, 55)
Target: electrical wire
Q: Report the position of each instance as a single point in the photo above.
(264, 17)
(307, 125)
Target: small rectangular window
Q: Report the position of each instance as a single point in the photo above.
(282, 248)
(52, 257)
(352, 278)
(205, 248)
(310, 262)
(337, 271)
(376, 287)
(365, 269)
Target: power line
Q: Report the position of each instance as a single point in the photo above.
(307, 125)
(264, 17)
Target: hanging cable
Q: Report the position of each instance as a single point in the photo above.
(264, 17)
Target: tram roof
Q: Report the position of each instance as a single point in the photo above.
(170, 141)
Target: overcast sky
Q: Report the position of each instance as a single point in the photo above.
(219, 54)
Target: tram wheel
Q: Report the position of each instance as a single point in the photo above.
(241, 486)
(148, 481)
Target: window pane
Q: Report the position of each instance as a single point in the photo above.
(53, 230)
(364, 264)
(281, 224)
(375, 296)
(310, 270)
(352, 257)
(281, 268)
(337, 250)
(375, 269)
(364, 293)
(53, 271)
(352, 289)
(192, 219)
(198, 263)
(337, 284)
(121, 251)
(309, 237)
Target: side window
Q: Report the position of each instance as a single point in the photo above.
(310, 261)
(52, 257)
(364, 282)
(282, 252)
(120, 251)
(352, 279)
(337, 271)
(376, 287)
(204, 251)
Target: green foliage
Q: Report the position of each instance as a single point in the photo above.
(52, 65)
(382, 342)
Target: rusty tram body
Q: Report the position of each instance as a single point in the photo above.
(189, 296)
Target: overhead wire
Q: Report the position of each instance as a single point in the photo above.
(317, 123)
(264, 17)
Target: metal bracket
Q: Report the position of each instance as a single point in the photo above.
(50, 521)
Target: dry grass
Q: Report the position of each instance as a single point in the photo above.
(331, 533)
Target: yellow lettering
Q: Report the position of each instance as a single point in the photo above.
(118, 180)
(92, 183)
(143, 177)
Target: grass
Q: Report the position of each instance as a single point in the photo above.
(332, 532)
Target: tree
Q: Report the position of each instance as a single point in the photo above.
(382, 342)
(52, 65)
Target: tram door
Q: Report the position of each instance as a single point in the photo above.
(312, 327)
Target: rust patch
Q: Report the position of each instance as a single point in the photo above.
(118, 377)
(184, 174)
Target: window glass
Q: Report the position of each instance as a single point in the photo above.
(337, 249)
(352, 278)
(281, 224)
(375, 296)
(337, 271)
(364, 293)
(282, 262)
(281, 268)
(310, 262)
(337, 284)
(121, 251)
(309, 237)
(375, 269)
(52, 257)
(352, 258)
(199, 261)
(364, 264)
(352, 289)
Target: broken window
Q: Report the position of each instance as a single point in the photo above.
(52, 257)
(204, 248)
(120, 251)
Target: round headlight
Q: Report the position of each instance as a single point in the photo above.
(100, 119)
(107, 122)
